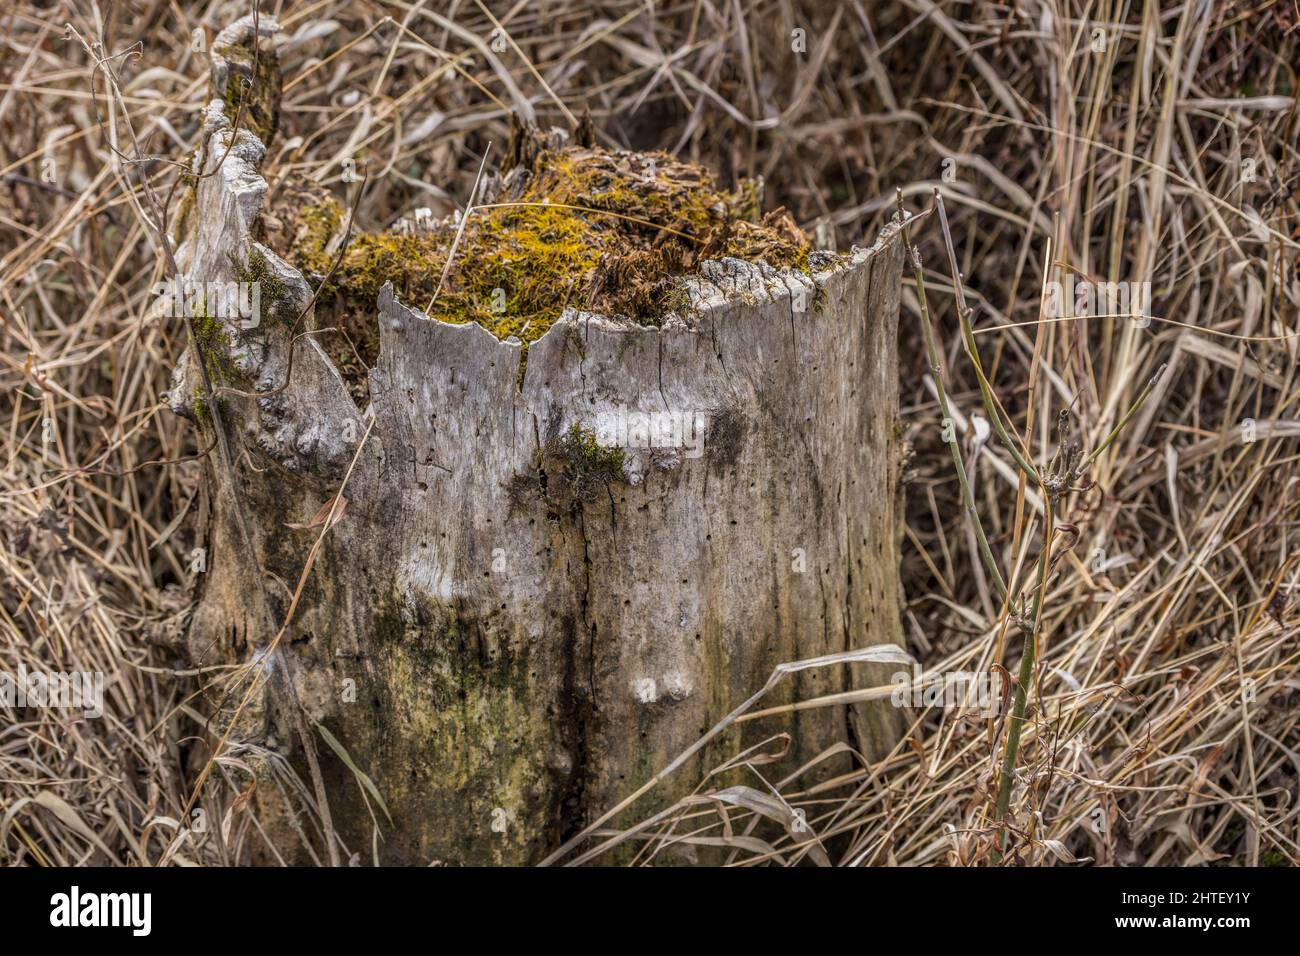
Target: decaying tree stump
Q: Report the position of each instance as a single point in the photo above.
(547, 579)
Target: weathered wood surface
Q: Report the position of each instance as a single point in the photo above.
(528, 641)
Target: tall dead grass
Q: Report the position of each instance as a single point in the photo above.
(1115, 141)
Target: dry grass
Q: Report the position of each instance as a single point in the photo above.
(1163, 716)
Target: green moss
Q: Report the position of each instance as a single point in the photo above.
(601, 231)
(202, 414)
(212, 336)
(200, 406)
(586, 466)
(819, 298)
(572, 468)
(276, 303)
(211, 339)
(213, 344)
(584, 452)
(317, 224)
(252, 91)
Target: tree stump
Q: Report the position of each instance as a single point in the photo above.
(548, 577)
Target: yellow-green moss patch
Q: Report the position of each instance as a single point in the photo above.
(608, 232)
(273, 296)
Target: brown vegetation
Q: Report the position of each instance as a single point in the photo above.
(1114, 142)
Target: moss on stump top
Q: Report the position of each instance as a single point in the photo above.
(599, 230)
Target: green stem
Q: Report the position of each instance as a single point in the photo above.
(968, 339)
(1007, 777)
(1123, 422)
(932, 355)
